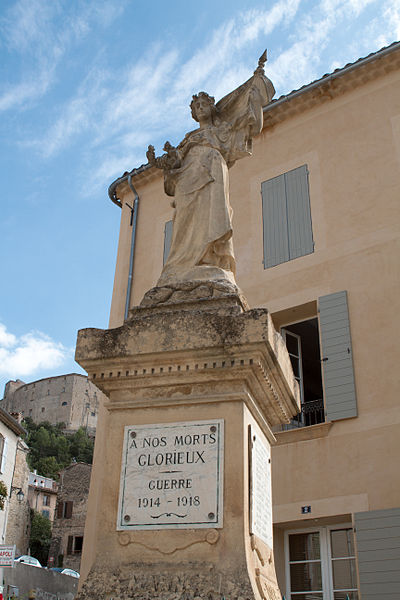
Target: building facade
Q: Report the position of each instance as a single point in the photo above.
(316, 238)
(69, 399)
(69, 523)
(42, 495)
(14, 518)
(18, 517)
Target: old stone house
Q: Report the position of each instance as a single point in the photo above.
(69, 523)
(316, 242)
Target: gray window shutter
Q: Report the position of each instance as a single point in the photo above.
(298, 212)
(339, 386)
(276, 246)
(286, 217)
(378, 550)
(167, 239)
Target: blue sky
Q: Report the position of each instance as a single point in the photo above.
(85, 86)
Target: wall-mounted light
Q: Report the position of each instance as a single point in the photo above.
(19, 493)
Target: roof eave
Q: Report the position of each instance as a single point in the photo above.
(275, 105)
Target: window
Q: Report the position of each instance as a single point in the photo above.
(46, 513)
(46, 500)
(78, 543)
(3, 453)
(320, 564)
(74, 544)
(64, 509)
(320, 345)
(42, 409)
(286, 217)
(302, 342)
(64, 403)
(167, 239)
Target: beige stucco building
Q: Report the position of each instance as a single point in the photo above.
(42, 494)
(316, 238)
(14, 518)
(71, 399)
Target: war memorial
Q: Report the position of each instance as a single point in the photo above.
(180, 499)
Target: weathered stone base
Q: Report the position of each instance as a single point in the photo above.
(216, 296)
(193, 581)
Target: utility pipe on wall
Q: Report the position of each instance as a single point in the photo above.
(134, 212)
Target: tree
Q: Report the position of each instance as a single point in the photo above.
(81, 446)
(3, 494)
(51, 449)
(39, 541)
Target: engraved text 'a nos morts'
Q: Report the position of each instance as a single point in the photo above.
(172, 476)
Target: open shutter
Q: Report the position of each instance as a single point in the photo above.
(298, 213)
(60, 510)
(167, 239)
(68, 509)
(70, 544)
(378, 550)
(339, 386)
(276, 245)
(4, 455)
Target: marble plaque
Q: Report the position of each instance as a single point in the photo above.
(172, 476)
(261, 495)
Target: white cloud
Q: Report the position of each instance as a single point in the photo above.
(6, 339)
(30, 28)
(115, 114)
(27, 354)
(28, 90)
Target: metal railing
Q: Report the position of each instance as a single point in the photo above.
(312, 413)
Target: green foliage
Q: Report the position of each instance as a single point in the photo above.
(50, 449)
(39, 541)
(3, 494)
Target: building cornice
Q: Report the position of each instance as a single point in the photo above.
(333, 85)
(11, 423)
(315, 93)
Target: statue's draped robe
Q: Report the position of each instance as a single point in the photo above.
(202, 223)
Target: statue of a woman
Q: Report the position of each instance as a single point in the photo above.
(196, 175)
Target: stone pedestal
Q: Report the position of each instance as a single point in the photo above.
(166, 372)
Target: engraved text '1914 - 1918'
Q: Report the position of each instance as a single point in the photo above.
(172, 476)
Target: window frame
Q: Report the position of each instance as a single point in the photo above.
(2, 449)
(283, 328)
(326, 558)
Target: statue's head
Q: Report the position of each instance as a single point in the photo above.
(202, 103)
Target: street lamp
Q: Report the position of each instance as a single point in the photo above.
(20, 494)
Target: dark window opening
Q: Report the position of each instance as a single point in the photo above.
(78, 544)
(302, 342)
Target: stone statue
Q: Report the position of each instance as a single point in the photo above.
(196, 175)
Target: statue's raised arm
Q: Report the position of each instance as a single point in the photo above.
(196, 174)
(243, 110)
